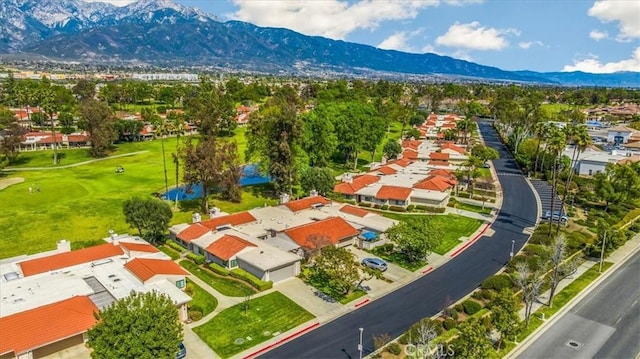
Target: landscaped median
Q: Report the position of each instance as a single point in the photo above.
(250, 323)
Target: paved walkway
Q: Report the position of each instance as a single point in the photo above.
(16, 169)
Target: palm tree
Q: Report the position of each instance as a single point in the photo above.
(556, 145)
(162, 130)
(178, 127)
(465, 126)
(541, 133)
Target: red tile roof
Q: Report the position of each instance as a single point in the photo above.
(451, 146)
(333, 229)
(442, 172)
(403, 162)
(306, 203)
(68, 259)
(235, 219)
(410, 154)
(448, 125)
(146, 268)
(194, 231)
(393, 192)
(357, 184)
(386, 170)
(438, 156)
(435, 183)
(228, 246)
(356, 211)
(139, 247)
(47, 324)
(412, 144)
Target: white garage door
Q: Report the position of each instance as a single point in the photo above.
(283, 273)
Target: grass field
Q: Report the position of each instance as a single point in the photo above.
(266, 316)
(453, 227)
(83, 203)
(202, 298)
(225, 285)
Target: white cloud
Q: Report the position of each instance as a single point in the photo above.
(330, 18)
(399, 41)
(598, 35)
(429, 48)
(625, 12)
(527, 44)
(475, 37)
(593, 64)
(114, 2)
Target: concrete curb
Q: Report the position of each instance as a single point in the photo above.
(575, 300)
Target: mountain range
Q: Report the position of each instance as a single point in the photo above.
(164, 33)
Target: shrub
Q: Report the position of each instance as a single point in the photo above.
(497, 282)
(175, 246)
(459, 308)
(383, 249)
(195, 315)
(412, 333)
(161, 109)
(218, 269)
(196, 258)
(453, 313)
(431, 209)
(397, 209)
(464, 195)
(251, 279)
(195, 308)
(411, 207)
(487, 294)
(394, 348)
(365, 204)
(471, 307)
(384, 207)
(449, 324)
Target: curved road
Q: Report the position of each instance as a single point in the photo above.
(396, 312)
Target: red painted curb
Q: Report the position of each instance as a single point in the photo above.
(362, 303)
(472, 241)
(427, 270)
(268, 347)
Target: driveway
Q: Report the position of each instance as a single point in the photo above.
(307, 297)
(394, 272)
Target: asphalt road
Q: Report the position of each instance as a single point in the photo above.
(606, 324)
(396, 312)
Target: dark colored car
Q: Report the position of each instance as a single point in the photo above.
(182, 352)
(375, 263)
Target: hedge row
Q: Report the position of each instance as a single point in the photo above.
(631, 215)
(251, 279)
(175, 246)
(218, 269)
(430, 209)
(196, 258)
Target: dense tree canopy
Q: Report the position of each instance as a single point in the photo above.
(320, 179)
(150, 216)
(99, 122)
(415, 239)
(140, 326)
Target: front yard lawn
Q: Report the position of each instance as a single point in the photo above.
(225, 285)
(233, 331)
(399, 259)
(201, 298)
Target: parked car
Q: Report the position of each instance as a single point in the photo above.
(375, 263)
(556, 216)
(486, 165)
(182, 352)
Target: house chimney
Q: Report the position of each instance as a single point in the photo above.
(347, 178)
(313, 193)
(213, 212)
(114, 237)
(284, 198)
(64, 246)
(195, 218)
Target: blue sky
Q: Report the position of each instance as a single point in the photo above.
(541, 35)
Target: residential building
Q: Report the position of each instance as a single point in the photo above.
(49, 298)
(621, 134)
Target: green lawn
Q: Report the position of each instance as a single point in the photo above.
(473, 208)
(399, 259)
(169, 251)
(233, 331)
(225, 285)
(83, 203)
(202, 298)
(453, 227)
(353, 296)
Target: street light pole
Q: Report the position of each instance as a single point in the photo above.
(360, 343)
(513, 244)
(604, 239)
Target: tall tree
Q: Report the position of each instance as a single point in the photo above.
(473, 341)
(162, 128)
(320, 179)
(275, 136)
(415, 239)
(319, 137)
(212, 164)
(142, 325)
(581, 141)
(211, 109)
(392, 149)
(337, 267)
(530, 283)
(557, 144)
(179, 128)
(84, 90)
(559, 268)
(504, 317)
(150, 216)
(98, 120)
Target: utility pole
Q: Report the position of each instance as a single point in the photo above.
(360, 342)
(513, 244)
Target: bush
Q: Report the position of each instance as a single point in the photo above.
(384, 207)
(218, 269)
(471, 307)
(175, 246)
(161, 109)
(497, 282)
(431, 209)
(394, 348)
(383, 249)
(195, 308)
(251, 279)
(195, 315)
(453, 313)
(412, 333)
(365, 204)
(464, 195)
(449, 324)
(411, 207)
(487, 294)
(459, 308)
(397, 209)
(196, 258)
